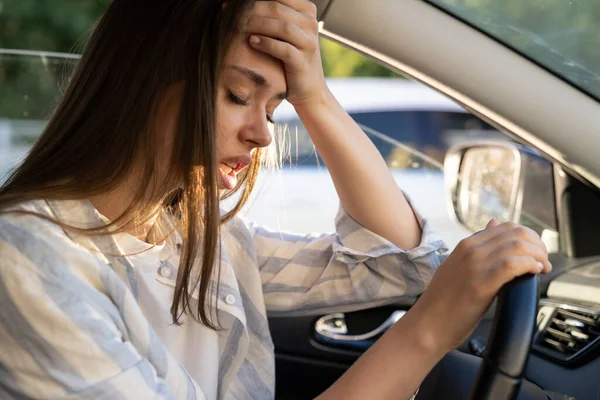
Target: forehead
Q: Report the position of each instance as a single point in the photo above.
(242, 55)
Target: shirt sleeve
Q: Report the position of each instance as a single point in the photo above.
(62, 338)
(350, 269)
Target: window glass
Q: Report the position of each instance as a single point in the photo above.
(412, 132)
(30, 84)
(428, 132)
(299, 196)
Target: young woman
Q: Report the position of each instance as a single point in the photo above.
(120, 278)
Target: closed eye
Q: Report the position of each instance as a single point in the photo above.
(236, 100)
(241, 102)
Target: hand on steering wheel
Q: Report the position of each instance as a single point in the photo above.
(502, 258)
(469, 279)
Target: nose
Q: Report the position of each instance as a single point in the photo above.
(257, 133)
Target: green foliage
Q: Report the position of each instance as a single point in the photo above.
(339, 61)
(29, 85)
(50, 25)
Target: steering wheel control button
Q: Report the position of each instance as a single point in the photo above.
(230, 299)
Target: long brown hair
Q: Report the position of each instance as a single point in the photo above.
(103, 124)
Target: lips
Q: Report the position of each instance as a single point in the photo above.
(228, 170)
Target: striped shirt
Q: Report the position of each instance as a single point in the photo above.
(82, 317)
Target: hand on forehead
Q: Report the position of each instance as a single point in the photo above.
(288, 30)
(264, 69)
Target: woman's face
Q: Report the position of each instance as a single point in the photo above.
(252, 85)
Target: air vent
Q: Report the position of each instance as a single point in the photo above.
(568, 334)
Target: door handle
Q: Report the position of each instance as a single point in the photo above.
(333, 331)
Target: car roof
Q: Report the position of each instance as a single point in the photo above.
(362, 95)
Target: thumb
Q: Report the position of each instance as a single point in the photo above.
(493, 222)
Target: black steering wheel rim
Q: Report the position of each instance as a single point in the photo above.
(501, 371)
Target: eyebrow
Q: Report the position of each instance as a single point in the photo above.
(259, 80)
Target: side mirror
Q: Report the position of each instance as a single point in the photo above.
(501, 180)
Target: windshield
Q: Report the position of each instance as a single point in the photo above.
(563, 36)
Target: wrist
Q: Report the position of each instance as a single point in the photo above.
(323, 99)
(424, 332)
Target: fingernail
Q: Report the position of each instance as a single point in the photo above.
(540, 266)
(254, 40)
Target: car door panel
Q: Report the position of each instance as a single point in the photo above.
(305, 366)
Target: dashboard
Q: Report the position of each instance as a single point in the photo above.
(565, 355)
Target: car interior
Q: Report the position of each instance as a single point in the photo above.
(540, 339)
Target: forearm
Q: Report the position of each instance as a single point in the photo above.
(394, 367)
(361, 177)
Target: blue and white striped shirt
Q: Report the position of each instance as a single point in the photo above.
(84, 318)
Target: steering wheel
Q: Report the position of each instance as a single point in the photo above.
(500, 373)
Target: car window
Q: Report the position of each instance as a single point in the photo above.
(30, 84)
(428, 132)
(298, 196)
(49, 25)
(301, 197)
(562, 36)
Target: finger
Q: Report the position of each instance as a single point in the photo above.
(507, 269)
(279, 10)
(279, 29)
(276, 48)
(517, 238)
(517, 232)
(520, 248)
(493, 222)
(485, 236)
(303, 6)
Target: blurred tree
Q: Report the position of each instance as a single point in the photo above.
(50, 25)
(29, 85)
(339, 61)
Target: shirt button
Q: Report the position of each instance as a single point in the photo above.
(230, 299)
(165, 272)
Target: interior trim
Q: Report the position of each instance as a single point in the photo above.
(36, 53)
(322, 7)
(579, 285)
